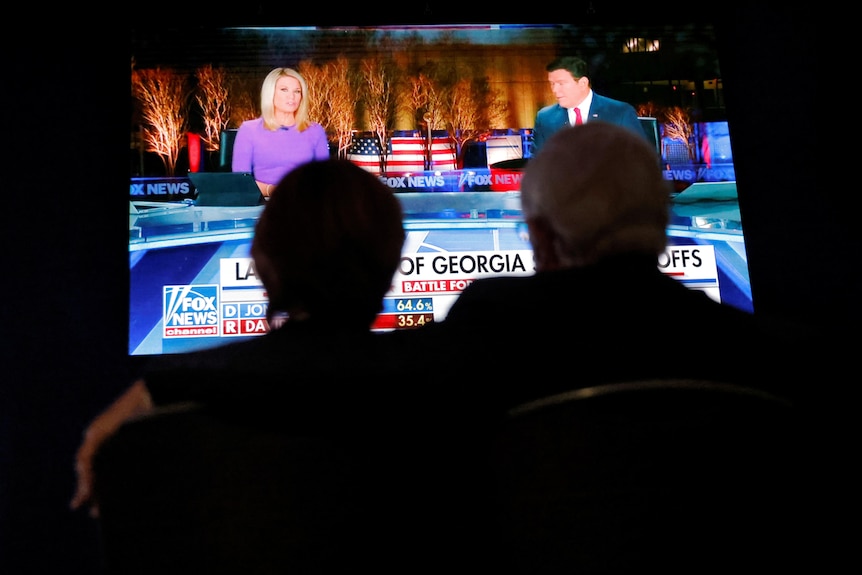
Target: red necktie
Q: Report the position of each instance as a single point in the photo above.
(578, 119)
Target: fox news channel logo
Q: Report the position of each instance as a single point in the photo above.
(191, 311)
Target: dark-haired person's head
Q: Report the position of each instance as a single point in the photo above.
(569, 80)
(592, 192)
(328, 243)
(574, 65)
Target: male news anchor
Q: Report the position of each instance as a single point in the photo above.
(570, 84)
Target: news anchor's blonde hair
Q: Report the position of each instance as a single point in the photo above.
(267, 94)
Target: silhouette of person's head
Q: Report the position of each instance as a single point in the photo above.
(328, 243)
(594, 191)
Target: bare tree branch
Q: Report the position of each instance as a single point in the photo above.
(212, 97)
(334, 96)
(244, 96)
(677, 126)
(380, 78)
(163, 95)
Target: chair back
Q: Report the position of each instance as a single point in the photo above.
(665, 476)
(184, 490)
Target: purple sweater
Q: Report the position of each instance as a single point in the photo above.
(270, 155)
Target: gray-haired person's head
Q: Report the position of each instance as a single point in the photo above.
(594, 191)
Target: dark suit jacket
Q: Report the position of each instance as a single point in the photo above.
(552, 118)
(618, 320)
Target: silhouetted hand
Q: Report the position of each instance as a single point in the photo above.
(133, 402)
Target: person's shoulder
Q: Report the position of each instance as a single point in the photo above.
(250, 124)
(609, 102)
(496, 283)
(487, 295)
(548, 109)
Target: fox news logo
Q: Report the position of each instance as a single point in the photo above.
(191, 311)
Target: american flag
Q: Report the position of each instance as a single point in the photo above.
(407, 154)
(365, 152)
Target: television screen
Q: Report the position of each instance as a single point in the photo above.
(444, 115)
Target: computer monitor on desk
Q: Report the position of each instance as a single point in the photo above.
(226, 189)
(650, 126)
